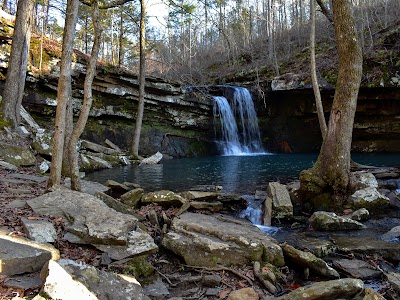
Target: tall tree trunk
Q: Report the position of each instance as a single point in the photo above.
(314, 79)
(121, 39)
(63, 93)
(330, 174)
(87, 100)
(15, 82)
(139, 116)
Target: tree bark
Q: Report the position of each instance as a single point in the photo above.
(63, 93)
(139, 116)
(330, 174)
(317, 94)
(15, 82)
(87, 100)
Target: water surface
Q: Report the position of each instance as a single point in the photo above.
(240, 174)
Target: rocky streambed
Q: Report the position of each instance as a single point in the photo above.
(117, 241)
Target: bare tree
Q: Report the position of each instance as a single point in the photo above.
(16, 74)
(142, 64)
(63, 94)
(87, 100)
(314, 79)
(325, 184)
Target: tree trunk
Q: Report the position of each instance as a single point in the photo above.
(87, 100)
(139, 117)
(15, 82)
(63, 93)
(329, 177)
(317, 94)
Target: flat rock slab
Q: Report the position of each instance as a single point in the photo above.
(207, 240)
(326, 221)
(18, 256)
(27, 177)
(90, 219)
(356, 268)
(366, 245)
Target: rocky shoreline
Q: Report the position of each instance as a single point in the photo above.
(191, 246)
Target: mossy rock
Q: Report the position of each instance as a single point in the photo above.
(17, 156)
(139, 267)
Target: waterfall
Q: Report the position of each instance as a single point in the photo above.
(240, 134)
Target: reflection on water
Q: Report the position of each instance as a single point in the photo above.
(241, 174)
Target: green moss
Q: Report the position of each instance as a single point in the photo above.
(139, 267)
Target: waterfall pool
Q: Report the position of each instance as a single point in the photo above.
(238, 174)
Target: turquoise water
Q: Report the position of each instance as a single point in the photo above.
(239, 174)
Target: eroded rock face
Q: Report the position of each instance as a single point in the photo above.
(322, 220)
(207, 240)
(67, 279)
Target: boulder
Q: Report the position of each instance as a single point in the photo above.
(43, 142)
(132, 197)
(19, 255)
(40, 231)
(207, 240)
(89, 220)
(17, 156)
(370, 199)
(356, 268)
(361, 180)
(164, 198)
(71, 280)
(152, 160)
(308, 260)
(322, 220)
(393, 235)
(359, 215)
(333, 289)
(281, 204)
(367, 246)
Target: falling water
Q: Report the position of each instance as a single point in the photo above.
(240, 134)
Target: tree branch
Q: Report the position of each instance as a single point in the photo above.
(328, 14)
